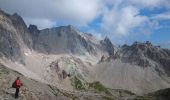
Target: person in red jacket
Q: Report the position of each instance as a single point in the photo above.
(18, 84)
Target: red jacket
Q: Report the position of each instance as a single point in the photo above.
(18, 83)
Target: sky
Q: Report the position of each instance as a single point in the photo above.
(123, 21)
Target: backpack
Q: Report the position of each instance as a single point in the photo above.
(14, 84)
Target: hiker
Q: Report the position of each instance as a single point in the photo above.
(17, 84)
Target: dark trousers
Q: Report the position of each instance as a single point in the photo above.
(17, 93)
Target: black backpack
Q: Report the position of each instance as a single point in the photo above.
(14, 84)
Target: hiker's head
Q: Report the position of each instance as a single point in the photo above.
(18, 78)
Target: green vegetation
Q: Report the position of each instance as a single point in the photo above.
(125, 92)
(99, 87)
(109, 94)
(78, 84)
(3, 70)
(108, 98)
(163, 94)
(143, 98)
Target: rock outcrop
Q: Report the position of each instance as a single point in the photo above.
(145, 55)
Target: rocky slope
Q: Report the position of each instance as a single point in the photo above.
(140, 68)
(34, 90)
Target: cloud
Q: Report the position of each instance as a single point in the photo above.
(41, 23)
(168, 42)
(80, 12)
(122, 21)
(138, 3)
(96, 34)
(162, 16)
(165, 44)
(147, 3)
(161, 20)
(119, 19)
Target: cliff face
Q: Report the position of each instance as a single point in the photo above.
(21, 29)
(9, 44)
(66, 39)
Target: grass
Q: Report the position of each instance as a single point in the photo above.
(108, 98)
(77, 84)
(3, 70)
(99, 87)
(163, 94)
(125, 91)
(143, 98)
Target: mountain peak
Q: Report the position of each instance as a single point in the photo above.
(108, 45)
(106, 39)
(142, 46)
(72, 28)
(18, 21)
(33, 29)
(31, 26)
(1, 11)
(16, 15)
